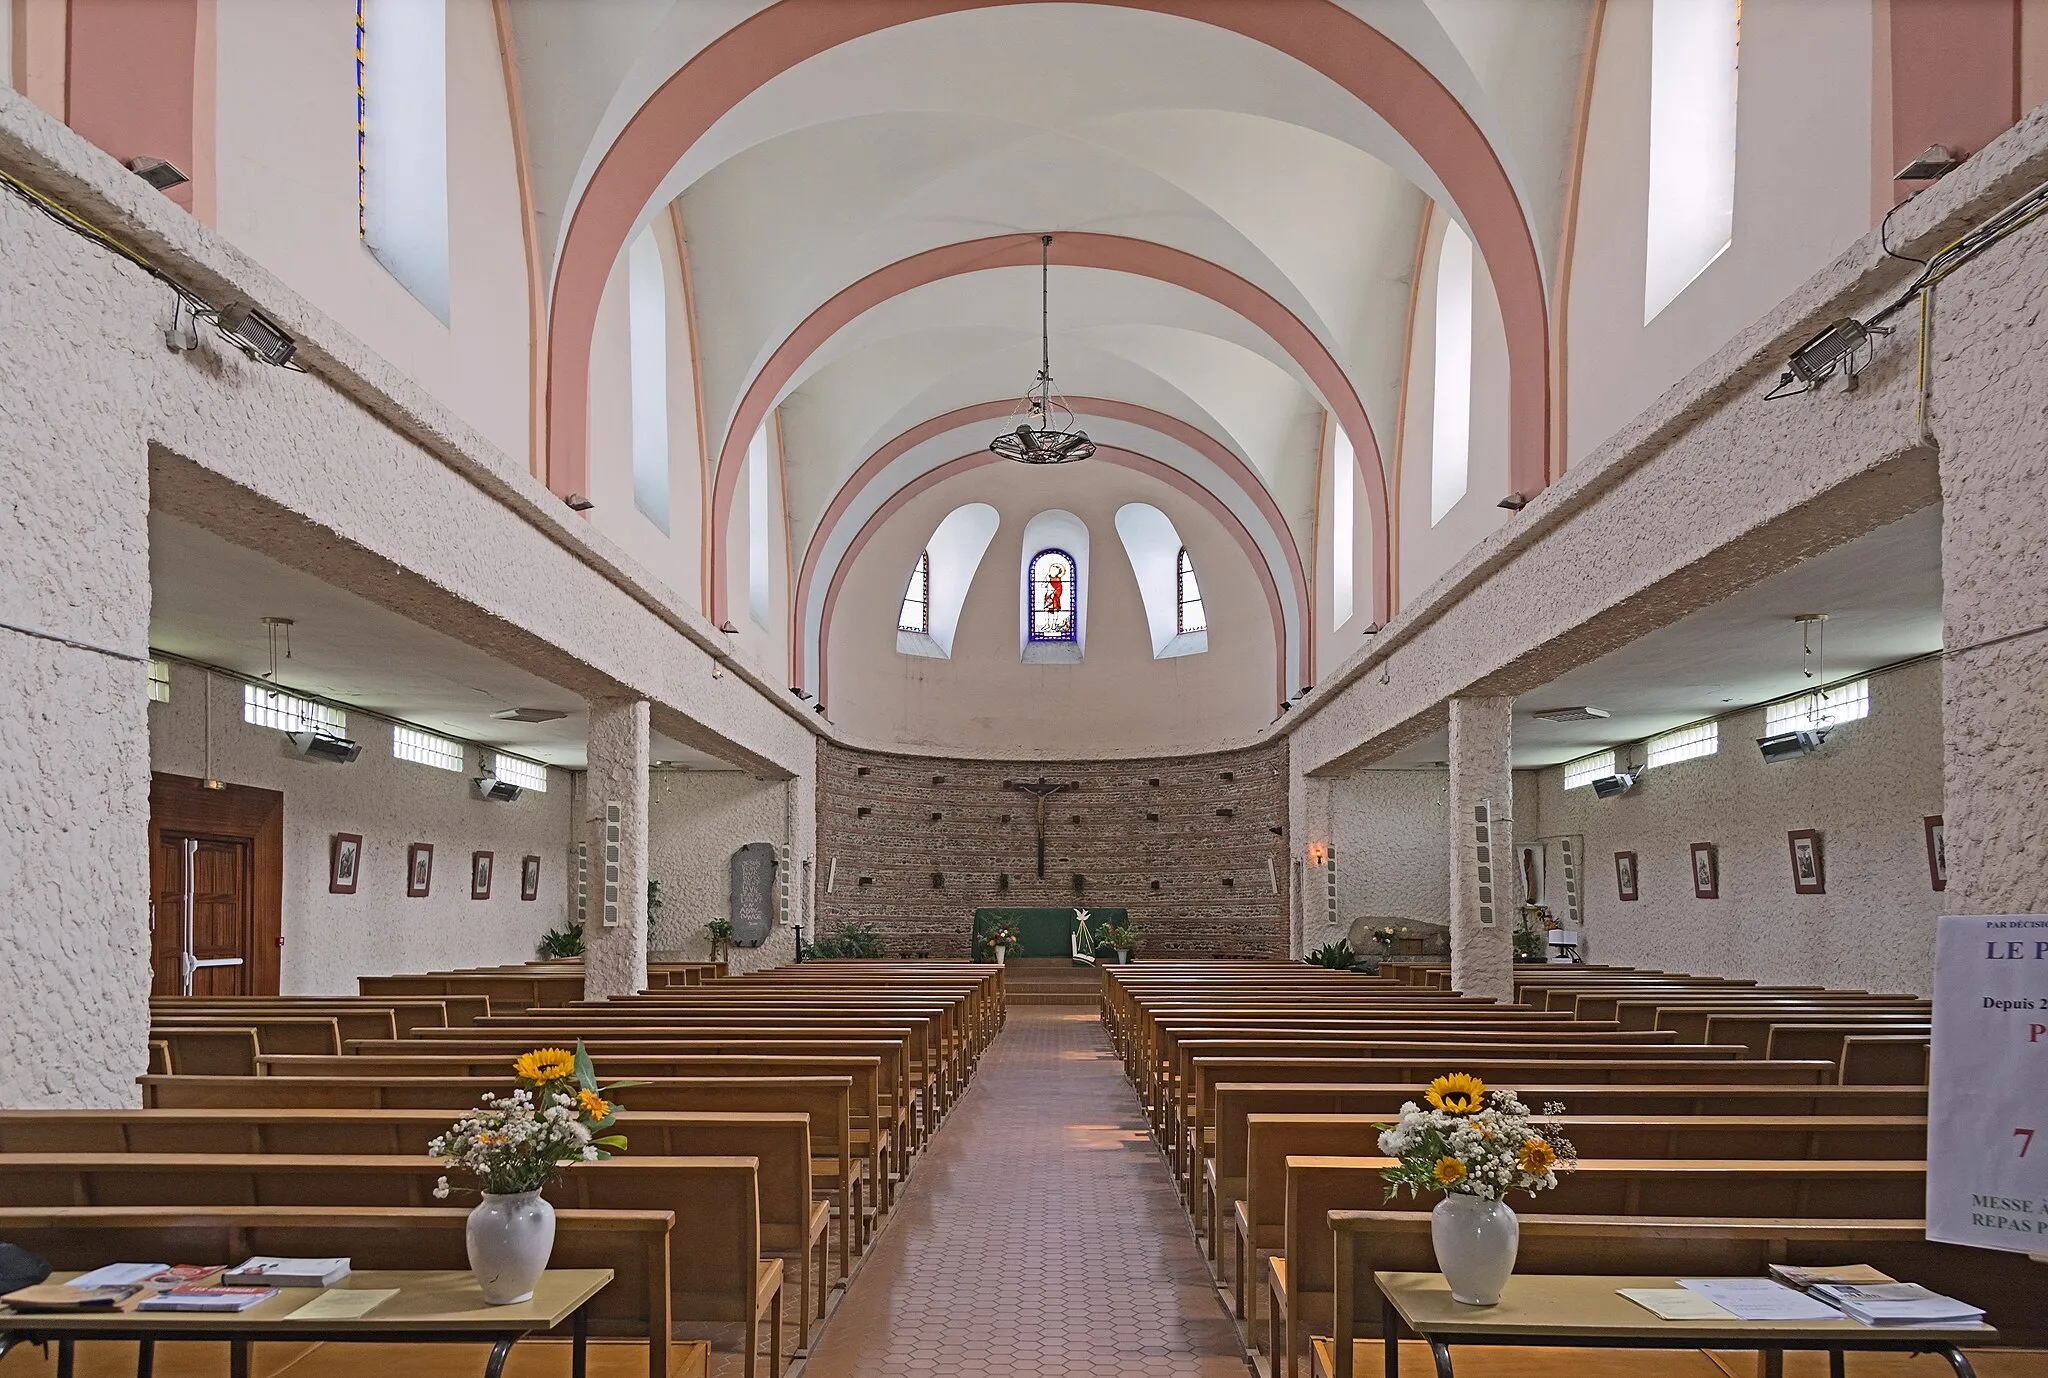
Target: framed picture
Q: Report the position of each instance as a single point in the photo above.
(1809, 871)
(1937, 851)
(419, 869)
(529, 878)
(1625, 875)
(343, 862)
(1706, 872)
(480, 875)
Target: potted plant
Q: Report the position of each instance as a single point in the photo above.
(1119, 938)
(1336, 956)
(1475, 1146)
(720, 933)
(566, 941)
(516, 1145)
(1000, 940)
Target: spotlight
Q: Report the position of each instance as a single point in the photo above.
(322, 747)
(578, 503)
(1608, 786)
(158, 173)
(1936, 160)
(260, 337)
(801, 694)
(1790, 746)
(496, 790)
(1820, 356)
(728, 628)
(1513, 502)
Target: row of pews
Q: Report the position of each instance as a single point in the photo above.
(1721, 1124)
(780, 1113)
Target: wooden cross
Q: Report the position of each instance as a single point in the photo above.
(1041, 791)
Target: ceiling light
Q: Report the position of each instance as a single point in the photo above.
(1583, 713)
(1044, 431)
(528, 715)
(163, 175)
(578, 503)
(1513, 502)
(1936, 160)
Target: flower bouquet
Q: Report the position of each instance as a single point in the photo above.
(1000, 940)
(1475, 1146)
(517, 1144)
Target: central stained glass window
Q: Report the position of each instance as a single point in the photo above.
(1054, 593)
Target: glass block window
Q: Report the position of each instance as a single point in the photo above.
(411, 744)
(266, 707)
(1701, 739)
(159, 681)
(1053, 594)
(1188, 613)
(1822, 708)
(1587, 769)
(916, 614)
(525, 774)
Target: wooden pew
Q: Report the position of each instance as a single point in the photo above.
(839, 1168)
(407, 1012)
(633, 1244)
(1300, 1280)
(275, 1034)
(1365, 1242)
(792, 1223)
(716, 1272)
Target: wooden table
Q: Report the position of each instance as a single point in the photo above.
(1588, 1312)
(443, 1307)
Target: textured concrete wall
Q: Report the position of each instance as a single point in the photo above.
(1481, 840)
(696, 820)
(1200, 828)
(1389, 828)
(614, 800)
(329, 940)
(1866, 792)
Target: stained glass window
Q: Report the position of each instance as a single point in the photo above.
(1188, 615)
(917, 599)
(1054, 591)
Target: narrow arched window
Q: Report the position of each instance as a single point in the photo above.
(916, 615)
(1053, 591)
(1188, 615)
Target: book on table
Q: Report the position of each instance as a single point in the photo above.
(62, 1296)
(207, 1299)
(1897, 1303)
(266, 1271)
(1804, 1278)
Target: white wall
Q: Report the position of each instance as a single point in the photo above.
(1802, 196)
(286, 157)
(1391, 838)
(1119, 701)
(767, 647)
(696, 820)
(329, 940)
(1866, 791)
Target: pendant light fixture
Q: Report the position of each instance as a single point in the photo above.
(1044, 432)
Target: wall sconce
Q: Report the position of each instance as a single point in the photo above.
(1316, 853)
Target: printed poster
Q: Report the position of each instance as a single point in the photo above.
(1987, 1111)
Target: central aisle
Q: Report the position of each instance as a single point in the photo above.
(1041, 1234)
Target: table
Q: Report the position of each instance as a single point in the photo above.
(1587, 1312)
(444, 1307)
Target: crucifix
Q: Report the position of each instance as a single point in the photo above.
(1041, 791)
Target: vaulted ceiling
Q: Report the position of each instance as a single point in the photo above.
(1235, 187)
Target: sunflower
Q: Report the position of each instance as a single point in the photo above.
(593, 1105)
(1457, 1093)
(1536, 1157)
(1449, 1172)
(545, 1065)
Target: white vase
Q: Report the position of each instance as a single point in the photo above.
(1123, 956)
(1476, 1241)
(1001, 952)
(510, 1239)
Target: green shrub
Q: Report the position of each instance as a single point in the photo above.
(853, 940)
(563, 942)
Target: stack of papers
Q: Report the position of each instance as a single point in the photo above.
(62, 1296)
(1676, 1304)
(1792, 1275)
(265, 1271)
(208, 1299)
(1760, 1299)
(1898, 1303)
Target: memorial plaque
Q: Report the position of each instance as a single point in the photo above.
(753, 894)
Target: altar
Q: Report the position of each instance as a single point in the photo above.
(1043, 932)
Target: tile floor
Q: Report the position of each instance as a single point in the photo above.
(1041, 1235)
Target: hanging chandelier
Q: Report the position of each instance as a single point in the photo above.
(1045, 432)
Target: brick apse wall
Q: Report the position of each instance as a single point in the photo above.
(1182, 842)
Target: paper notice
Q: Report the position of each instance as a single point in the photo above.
(343, 1304)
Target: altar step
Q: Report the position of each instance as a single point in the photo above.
(1050, 981)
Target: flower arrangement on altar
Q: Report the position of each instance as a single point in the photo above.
(1002, 935)
(520, 1142)
(1473, 1142)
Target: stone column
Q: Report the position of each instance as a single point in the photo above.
(615, 827)
(1482, 844)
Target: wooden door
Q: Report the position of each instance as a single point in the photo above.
(214, 875)
(228, 842)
